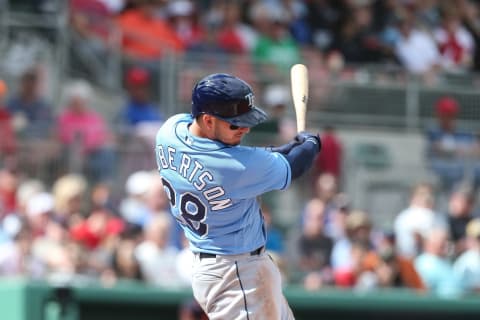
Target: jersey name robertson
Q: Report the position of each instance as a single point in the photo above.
(194, 172)
(212, 188)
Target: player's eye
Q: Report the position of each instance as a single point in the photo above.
(234, 127)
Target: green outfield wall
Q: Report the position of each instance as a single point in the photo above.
(21, 299)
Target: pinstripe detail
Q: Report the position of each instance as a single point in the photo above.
(241, 287)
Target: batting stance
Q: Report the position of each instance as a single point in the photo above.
(213, 183)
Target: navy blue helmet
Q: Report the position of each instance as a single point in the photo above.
(228, 98)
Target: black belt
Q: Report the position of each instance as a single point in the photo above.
(255, 252)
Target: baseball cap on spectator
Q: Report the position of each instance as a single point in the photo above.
(276, 95)
(138, 182)
(447, 106)
(473, 228)
(27, 189)
(137, 76)
(80, 89)
(40, 203)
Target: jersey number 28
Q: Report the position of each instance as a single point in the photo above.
(192, 210)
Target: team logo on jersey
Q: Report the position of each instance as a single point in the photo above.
(249, 97)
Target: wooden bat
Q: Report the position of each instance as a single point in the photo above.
(299, 85)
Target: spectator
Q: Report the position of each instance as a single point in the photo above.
(146, 35)
(32, 119)
(277, 98)
(156, 257)
(184, 19)
(38, 211)
(8, 143)
(9, 181)
(338, 225)
(458, 215)
(84, 135)
(411, 41)
(15, 256)
(234, 36)
(275, 48)
(93, 37)
(140, 114)
(314, 247)
(275, 241)
(451, 152)
(134, 208)
(466, 267)
(97, 229)
(356, 39)
(326, 189)
(158, 203)
(322, 17)
(13, 222)
(183, 262)
(124, 265)
(384, 268)
(33, 115)
(92, 20)
(414, 222)
(434, 266)
(348, 252)
(52, 250)
(470, 13)
(69, 193)
(330, 160)
(454, 41)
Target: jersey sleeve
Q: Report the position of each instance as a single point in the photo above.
(262, 171)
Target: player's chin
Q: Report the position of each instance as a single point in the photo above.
(235, 141)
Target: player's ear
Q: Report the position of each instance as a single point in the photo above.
(208, 120)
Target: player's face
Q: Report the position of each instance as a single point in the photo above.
(227, 133)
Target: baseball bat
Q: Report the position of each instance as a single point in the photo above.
(299, 85)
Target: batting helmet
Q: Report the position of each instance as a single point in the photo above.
(228, 98)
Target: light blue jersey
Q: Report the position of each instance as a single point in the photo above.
(213, 187)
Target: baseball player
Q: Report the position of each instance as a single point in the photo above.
(213, 183)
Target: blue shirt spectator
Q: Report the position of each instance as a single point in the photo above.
(30, 110)
(139, 108)
(452, 153)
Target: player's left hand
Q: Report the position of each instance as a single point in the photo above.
(284, 149)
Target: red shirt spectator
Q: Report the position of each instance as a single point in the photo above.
(99, 226)
(330, 159)
(8, 141)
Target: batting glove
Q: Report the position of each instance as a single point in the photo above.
(284, 149)
(304, 136)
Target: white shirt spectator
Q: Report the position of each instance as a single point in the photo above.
(408, 223)
(417, 52)
(158, 264)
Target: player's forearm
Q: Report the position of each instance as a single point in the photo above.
(301, 156)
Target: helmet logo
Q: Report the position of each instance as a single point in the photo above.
(249, 97)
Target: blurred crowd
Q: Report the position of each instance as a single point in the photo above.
(69, 221)
(282, 32)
